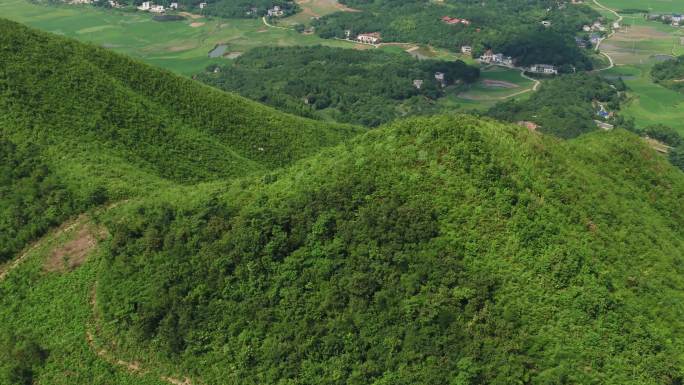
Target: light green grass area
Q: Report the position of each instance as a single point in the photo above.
(650, 103)
(311, 9)
(486, 92)
(662, 6)
(181, 46)
(635, 50)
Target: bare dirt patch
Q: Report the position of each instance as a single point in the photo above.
(196, 25)
(498, 84)
(190, 15)
(74, 253)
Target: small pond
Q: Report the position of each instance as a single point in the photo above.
(218, 51)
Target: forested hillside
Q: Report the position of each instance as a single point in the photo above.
(430, 251)
(240, 245)
(80, 124)
(509, 26)
(670, 73)
(361, 87)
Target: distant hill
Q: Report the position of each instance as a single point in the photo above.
(99, 122)
(241, 245)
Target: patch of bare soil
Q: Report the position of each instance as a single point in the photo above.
(190, 15)
(196, 24)
(499, 84)
(74, 253)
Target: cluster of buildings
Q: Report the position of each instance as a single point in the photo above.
(367, 38)
(489, 57)
(148, 6)
(674, 19)
(455, 20)
(543, 69)
(596, 27)
(276, 11)
(440, 77)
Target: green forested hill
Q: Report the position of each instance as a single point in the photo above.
(442, 250)
(80, 122)
(432, 251)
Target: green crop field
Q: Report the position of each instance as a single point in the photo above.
(650, 103)
(663, 6)
(181, 46)
(495, 85)
(635, 50)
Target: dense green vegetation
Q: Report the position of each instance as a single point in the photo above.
(161, 123)
(33, 198)
(509, 26)
(670, 137)
(430, 251)
(670, 73)
(566, 106)
(19, 360)
(361, 87)
(256, 247)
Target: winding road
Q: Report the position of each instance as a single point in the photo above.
(598, 45)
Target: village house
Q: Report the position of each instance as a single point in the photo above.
(441, 78)
(616, 25)
(581, 43)
(544, 69)
(275, 11)
(114, 4)
(597, 26)
(157, 9)
(595, 38)
(369, 38)
(173, 6)
(487, 56)
(202, 5)
(491, 58)
(532, 126)
(418, 83)
(586, 28)
(145, 6)
(466, 49)
(603, 125)
(546, 23)
(455, 20)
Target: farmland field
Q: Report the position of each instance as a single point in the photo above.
(661, 6)
(183, 46)
(495, 85)
(180, 46)
(635, 50)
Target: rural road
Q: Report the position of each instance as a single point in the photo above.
(598, 46)
(271, 25)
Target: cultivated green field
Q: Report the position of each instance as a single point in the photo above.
(635, 50)
(662, 6)
(495, 85)
(181, 46)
